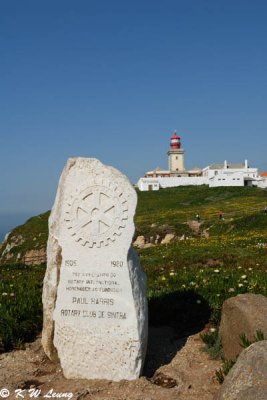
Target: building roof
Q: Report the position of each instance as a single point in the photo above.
(195, 169)
(158, 170)
(229, 165)
(263, 174)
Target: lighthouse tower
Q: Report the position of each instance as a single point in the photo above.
(176, 157)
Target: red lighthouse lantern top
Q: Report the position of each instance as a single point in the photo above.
(175, 141)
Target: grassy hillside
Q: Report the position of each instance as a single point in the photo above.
(176, 206)
(231, 260)
(170, 210)
(20, 304)
(30, 236)
(188, 280)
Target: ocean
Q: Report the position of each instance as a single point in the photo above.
(2, 235)
(9, 221)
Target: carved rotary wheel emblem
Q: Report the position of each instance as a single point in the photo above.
(97, 214)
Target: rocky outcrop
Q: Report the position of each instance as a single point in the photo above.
(26, 243)
(141, 242)
(242, 314)
(168, 238)
(8, 246)
(8, 249)
(12, 253)
(247, 379)
(35, 257)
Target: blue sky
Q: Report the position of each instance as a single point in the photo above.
(114, 79)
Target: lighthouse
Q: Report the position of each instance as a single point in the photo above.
(176, 157)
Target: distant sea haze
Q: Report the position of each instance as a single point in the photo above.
(2, 235)
(9, 221)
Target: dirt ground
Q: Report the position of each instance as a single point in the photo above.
(176, 368)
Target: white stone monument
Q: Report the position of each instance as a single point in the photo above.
(94, 296)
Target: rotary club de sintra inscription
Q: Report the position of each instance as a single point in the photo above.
(96, 214)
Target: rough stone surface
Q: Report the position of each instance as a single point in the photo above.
(244, 313)
(157, 240)
(168, 238)
(35, 257)
(139, 241)
(7, 248)
(94, 296)
(247, 380)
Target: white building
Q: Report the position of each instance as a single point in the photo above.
(228, 174)
(262, 180)
(166, 182)
(214, 175)
(176, 175)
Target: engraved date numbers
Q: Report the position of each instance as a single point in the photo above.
(70, 263)
(117, 264)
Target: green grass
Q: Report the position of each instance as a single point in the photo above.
(232, 260)
(213, 345)
(178, 205)
(188, 280)
(20, 304)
